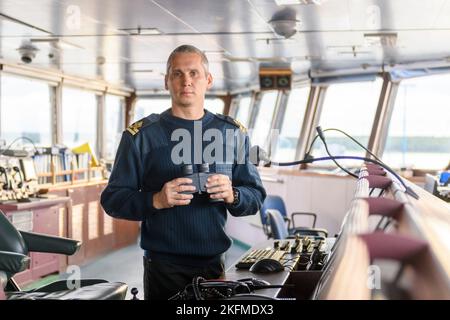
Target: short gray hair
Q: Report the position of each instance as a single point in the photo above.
(186, 48)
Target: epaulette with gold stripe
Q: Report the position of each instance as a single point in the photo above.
(135, 127)
(232, 121)
(138, 125)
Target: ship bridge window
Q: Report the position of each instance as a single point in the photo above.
(147, 106)
(419, 130)
(214, 105)
(114, 120)
(349, 107)
(243, 111)
(27, 115)
(79, 117)
(264, 117)
(290, 129)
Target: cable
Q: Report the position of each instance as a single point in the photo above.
(347, 135)
(196, 287)
(309, 159)
(321, 136)
(407, 190)
(261, 156)
(17, 139)
(202, 289)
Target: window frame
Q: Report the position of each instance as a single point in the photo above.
(51, 87)
(384, 131)
(323, 91)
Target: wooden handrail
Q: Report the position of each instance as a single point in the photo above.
(426, 219)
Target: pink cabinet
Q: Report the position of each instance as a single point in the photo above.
(41, 216)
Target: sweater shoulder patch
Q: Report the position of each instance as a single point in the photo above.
(232, 121)
(139, 125)
(135, 127)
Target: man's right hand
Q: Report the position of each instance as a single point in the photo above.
(170, 195)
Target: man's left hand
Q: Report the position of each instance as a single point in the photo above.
(219, 187)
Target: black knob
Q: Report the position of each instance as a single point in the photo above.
(204, 167)
(276, 244)
(187, 169)
(134, 292)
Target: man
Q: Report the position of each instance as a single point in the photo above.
(182, 234)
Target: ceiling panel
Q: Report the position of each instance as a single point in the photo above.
(87, 17)
(220, 16)
(235, 34)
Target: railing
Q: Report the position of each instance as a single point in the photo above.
(413, 235)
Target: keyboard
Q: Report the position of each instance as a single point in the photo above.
(292, 254)
(255, 255)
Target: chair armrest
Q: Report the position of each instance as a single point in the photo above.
(12, 263)
(304, 214)
(61, 285)
(44, 243)
(287, 221)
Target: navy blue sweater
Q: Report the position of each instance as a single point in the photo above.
(144, 164)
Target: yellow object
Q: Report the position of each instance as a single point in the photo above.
(135, 127)
(240, 125)
(86, 148)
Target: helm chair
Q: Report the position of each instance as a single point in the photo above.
(273, 202)
(279, 229)
(14, 248)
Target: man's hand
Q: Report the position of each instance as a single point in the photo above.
(219, 187)
(170, 195)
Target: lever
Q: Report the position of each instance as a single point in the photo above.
(134, 292)
(276, 244)
(297, 247)
(17, 170)
(6, 184)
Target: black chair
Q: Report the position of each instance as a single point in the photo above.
(14, 248)
(276, 202)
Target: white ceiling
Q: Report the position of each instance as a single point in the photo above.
(235, 33)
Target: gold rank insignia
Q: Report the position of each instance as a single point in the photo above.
(134, 128)
(240, 125)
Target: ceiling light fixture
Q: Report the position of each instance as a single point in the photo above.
(139, 31)
(214, 51)
(143, 71)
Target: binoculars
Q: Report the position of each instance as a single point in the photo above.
(198, 178)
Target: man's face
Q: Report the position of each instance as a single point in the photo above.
(187, 80)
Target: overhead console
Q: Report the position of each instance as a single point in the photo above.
(275, 78)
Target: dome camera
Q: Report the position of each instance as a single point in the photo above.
(284, 22)
(285, 28)
(27, 52)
